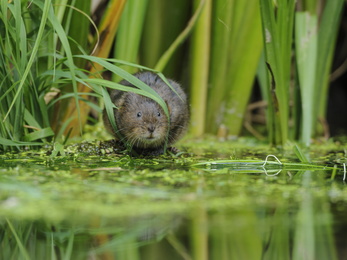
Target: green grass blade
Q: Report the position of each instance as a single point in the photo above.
(43, 133)
(46, 7)
(299, 153)
(128, 77)
(22, 249)
(64, 41)
(63, 127)
(200, 46)
(129, 33)
(277, 33)
(31, 121)
(7, 142)
(180, 39)
(69, 248)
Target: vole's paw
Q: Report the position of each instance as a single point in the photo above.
(173, 150)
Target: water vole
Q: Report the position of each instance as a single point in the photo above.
(142, 121)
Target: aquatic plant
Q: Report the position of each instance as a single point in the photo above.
(27, 111)
(313, 45)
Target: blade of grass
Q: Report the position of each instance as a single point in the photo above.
(69, 248)
(129, 34)
(180, 39)
(43, 133)
(160, 32)
(299, 153)
(277, 34)
(46, 8)
(200, 46)
(22, 249)
(8, 142)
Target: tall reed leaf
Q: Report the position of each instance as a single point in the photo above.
(306, 56)
(200, 46)
(235, 51)
(129, 34)
(277, 33)
(164, 22)
(326, 37)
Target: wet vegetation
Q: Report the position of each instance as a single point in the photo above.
(214, 201)
(68, 191)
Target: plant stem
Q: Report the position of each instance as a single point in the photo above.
(200, 66)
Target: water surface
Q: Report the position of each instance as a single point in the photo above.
(107, 206)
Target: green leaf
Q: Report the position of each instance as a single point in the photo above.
(31, 121)
(299, 153)
(24, 252)
(44, 17)
(45, 132)
(58, 148)
(4, 141)
(306, 56)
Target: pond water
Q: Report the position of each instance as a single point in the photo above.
(108, 206)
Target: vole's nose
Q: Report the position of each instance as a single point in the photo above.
(151, 129)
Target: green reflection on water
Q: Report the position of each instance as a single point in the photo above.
(116, 207)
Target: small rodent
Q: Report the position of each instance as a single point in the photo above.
(142, 121)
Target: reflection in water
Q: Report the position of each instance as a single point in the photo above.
(107, 209)
(278, 232)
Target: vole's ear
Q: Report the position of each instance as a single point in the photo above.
(167, 104)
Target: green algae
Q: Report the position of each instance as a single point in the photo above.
(85, 182)
(82, 193)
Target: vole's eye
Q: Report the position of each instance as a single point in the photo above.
(139, 114)
(158, 114)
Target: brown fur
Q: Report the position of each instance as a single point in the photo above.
(137, 130)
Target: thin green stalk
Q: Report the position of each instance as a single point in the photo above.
(22, 249)
(160, 32)
(129, 34)
(263, 79)
(179, 247)
(151, 42)
(69, 248)
(277, 33)
(200, 67)
(164, 59)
